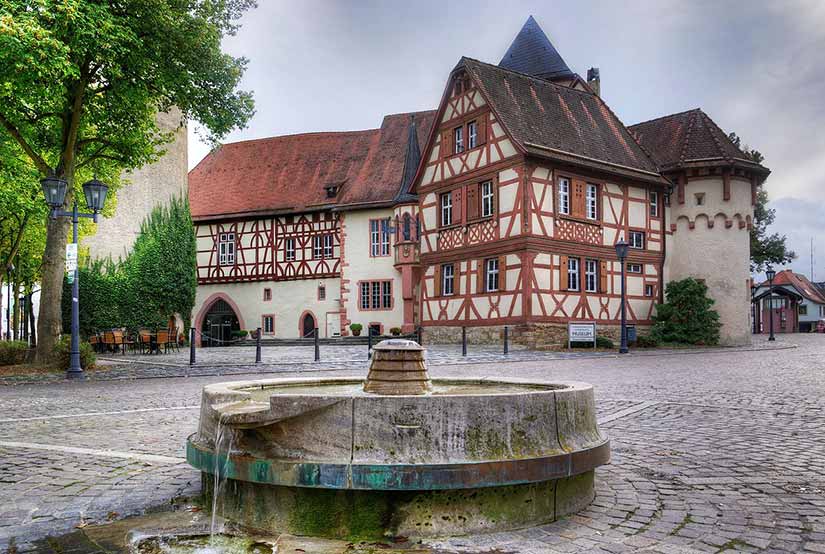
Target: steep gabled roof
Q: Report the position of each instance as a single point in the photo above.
(800, 283)
(688, 138)
(532, 53)
(291, 173)
(561, 123)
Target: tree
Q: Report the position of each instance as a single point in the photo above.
(686, 316)
(766, 249)
(83, 81)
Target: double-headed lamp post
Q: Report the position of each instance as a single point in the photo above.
(621, 253)
(54, 190)
(770, 274)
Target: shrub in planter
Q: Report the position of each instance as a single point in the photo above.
(63, 350)
(242, 334)
(356, 329)
(395, 331)
(647, 341)
(13, 352)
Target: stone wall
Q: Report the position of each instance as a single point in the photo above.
(533, 335)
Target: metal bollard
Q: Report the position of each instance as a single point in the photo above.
(369, 342)
(191, 346)
(506, 340)
(464, 341)
(317, 347)
(258, 346)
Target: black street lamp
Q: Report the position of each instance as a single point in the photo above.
(10, 274)
(54, 189)
(621, 253)
(754, 310)
(770, 274)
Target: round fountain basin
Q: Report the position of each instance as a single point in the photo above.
(467, 456)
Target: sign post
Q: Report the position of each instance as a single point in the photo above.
(71, 261)
(581, 332)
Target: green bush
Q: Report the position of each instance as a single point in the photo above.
(647, 341)
(356, 328)
(63, 350)
(13, 352)
(686, 317)
(242, 334)
(395, 331)
(604, 342)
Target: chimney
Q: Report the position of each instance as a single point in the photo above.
(594, 81)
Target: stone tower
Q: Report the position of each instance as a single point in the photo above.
(148, 187)
(710, 212)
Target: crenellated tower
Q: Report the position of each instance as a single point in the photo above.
(710, 211)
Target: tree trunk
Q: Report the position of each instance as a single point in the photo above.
(14, 303)
(49, 322)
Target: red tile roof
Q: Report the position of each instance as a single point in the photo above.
(800, 283)
(289, 173)
(560, 122)
(687, 137)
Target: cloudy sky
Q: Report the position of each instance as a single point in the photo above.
(756, 67)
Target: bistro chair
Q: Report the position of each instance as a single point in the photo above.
(145, 340)
(109, 344)
(119, 340)
(163, 340)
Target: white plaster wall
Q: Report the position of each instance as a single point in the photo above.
(363, 267)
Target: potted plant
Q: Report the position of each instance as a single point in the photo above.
(356, 329)
(395, 331)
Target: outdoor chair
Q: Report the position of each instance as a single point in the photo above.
(119, 340)
(109, 343)
(163, 340)
(145, 340)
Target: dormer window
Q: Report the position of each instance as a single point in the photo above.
(332, 190)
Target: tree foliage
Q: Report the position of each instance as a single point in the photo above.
(156, 280)
(687, 315)
(83, 81)
(766, 249)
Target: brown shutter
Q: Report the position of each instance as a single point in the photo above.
(457, 205)
(563, 282)
(480, 272)
(437, 277)
(481, 124)
(602, 276)
(473, 201)
(446, 148)
(577, 201)
(502, 273)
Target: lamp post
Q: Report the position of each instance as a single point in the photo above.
(54, 189)
(10, 274)
(770, 274)
(621, 253)
(754, 310)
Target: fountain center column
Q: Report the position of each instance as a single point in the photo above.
(398, 369)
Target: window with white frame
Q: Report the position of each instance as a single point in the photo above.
(269, 324)
(446, 209)
(648, 290)
(592, 201)
(447, 279)
(591, 276)
(386, 294)
(328, 249)
(637, 239)
(654, 204)
(634, 268)
(803, 309)
(226, 249)
(289, 249)
(458, 140)
(376, 295)
(379, 238)
(267, 295)
(564, 196)
(491, 274)
(472, 134)
(487, 199)
(317, 247)
(573, 274)
(365, 296)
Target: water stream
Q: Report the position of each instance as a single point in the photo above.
(216, 526)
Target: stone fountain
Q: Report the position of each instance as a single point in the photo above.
(398, 454)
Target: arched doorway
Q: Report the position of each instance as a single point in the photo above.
(308, 325)
(218, 324)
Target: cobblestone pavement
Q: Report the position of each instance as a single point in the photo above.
(713, 451)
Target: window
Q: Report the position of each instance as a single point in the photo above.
(573, 274)
(447, 279)
(648, 290)
(379, 238)
(407, 227)
(803, 309)
(564, 196)
(491, 275)
(592, 201)
(591, 276)
(700, 198)
(322, 292)
(446, 209)
(289, 249)
(226, 249)
(654, 204)
(637, 239)
(317, 247)
(267, 295)
(328, 253)
(458, 140)
(269, 325)
(486, 199)
(634, 268)
(472, 135)
(376, 295)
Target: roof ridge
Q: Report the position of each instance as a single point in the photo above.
(716, 139)
(528, 76)
(686, 139)
(311, 133)
(666, 116)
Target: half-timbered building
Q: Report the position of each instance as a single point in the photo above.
(503, 207)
